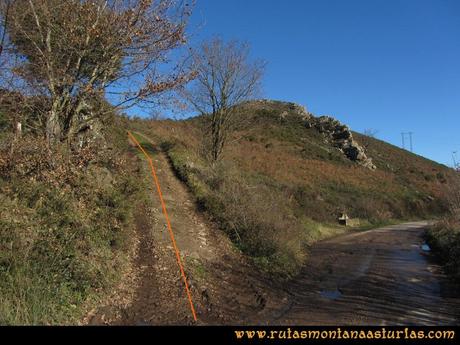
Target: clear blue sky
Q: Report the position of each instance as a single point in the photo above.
(389, 65)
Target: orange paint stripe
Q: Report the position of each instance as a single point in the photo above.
(173, 240)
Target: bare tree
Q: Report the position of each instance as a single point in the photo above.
(74, 51)
(225, 77)
(370, 132)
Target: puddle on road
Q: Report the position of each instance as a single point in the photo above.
(142, 323)
(331, 294)
(426, 248)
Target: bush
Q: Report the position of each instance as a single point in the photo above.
(258, 222)
(444, 238)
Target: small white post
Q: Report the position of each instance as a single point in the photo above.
(18, 129)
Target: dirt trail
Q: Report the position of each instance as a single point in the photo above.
(225, 288)
(377, 277)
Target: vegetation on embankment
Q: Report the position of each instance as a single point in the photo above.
(280, 186)
(444, 236)
(65, 226)
(67, 186)
(444, 239)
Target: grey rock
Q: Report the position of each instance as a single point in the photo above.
(340, 136)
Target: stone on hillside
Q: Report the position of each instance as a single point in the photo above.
(339, 135)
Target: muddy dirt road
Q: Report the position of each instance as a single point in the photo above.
(379, 277)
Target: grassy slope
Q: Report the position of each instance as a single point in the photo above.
(65, 228)
(280, 186)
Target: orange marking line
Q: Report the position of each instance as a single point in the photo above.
(176, 250)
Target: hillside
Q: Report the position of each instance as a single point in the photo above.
(78, 231)
(287, 175)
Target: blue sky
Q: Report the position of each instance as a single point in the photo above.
(389, 65)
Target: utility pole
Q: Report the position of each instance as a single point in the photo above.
(410, 139)
(454, 158)
(403, 137)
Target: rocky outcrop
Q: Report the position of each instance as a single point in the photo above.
(341, 137)
(334, 132)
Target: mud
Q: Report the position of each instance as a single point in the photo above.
(378, 277)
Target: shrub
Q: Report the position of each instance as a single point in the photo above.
(444, 236)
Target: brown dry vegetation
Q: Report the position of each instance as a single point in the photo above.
(66, 173)
(280, 185)
(444, 236)
(65, 226)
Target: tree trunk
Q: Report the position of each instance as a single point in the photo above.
(216, 134)
(53, 127)
(73, 120)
